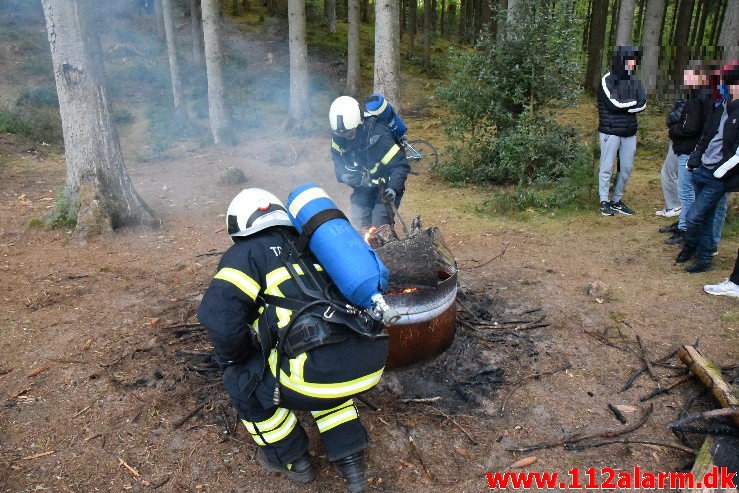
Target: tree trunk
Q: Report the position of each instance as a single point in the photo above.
(426, 33)
(298, 106)
(596, 38)
(159, 17)
(715, 24)
(353, 46)
(412, 27)
(387, 52)
(98, 187)
(180, 112)
(196, 28)
(330, 7)
(625, 22)
(639, 19)
(219, 117)
(696, 35)
(730, 32)
(680, 39)
(650, 41)
(614, 18)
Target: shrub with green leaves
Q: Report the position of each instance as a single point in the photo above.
(500, 132)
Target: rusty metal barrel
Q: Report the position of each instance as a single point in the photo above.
(427, 324)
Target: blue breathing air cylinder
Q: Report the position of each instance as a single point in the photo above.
(350, 262)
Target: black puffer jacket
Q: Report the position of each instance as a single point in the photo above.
(686, 132)
(620, 96)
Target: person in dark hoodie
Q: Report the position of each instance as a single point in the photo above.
(684, 132)
(715, 167)
(620, 97)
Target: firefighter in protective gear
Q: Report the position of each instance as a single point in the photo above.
(317, 365)
(368, 159)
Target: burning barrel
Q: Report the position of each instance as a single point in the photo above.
(423, 289)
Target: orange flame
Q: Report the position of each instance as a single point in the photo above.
(368, 234)
(403, 291)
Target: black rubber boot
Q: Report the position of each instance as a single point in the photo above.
(300, 471)
(352, 468)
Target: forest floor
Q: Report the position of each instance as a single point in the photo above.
(104, 385)
(102, 389)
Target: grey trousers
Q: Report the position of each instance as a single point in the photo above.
(610, 145)
(668, 178)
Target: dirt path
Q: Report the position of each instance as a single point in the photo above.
(104, 387)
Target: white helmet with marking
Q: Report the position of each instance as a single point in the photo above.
(345, 114)
(253, 210)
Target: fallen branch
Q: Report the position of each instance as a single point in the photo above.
(711, 376)
(427, 400)
(578, 437)
(36, 456)
(704, 416)
(619, 415)
(209, 254)
(502, 252)
(664, 390)
(466, 433)
(610, 441)
(645, 358)
(643, 369)
(131, 469)
(420, 458)
(183, 420)
(530, 377)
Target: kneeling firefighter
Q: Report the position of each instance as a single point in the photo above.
(290, 341)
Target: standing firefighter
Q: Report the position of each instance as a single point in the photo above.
(368, 159)
(271, 306)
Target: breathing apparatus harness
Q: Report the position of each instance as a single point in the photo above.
(320, 320)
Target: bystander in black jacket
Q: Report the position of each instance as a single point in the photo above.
(620, 97)
(686, 132)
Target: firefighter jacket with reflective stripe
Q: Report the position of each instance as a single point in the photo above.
(373, 154)
(233, 313)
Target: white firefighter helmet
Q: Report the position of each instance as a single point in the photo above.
(253, 210)
(345, 114)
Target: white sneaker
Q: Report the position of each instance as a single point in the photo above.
(725, 288)
(661, 212)
(671, 212)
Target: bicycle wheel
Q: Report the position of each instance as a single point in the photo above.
(424, 159)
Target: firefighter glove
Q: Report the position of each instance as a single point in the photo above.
(694, 162)
(389, 194)
(351, 179)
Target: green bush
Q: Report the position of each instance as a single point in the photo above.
(61, 215)
(498, 91)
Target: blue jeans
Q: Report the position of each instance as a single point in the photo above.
(687, 196)
(699, 222)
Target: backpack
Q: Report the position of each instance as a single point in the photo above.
(378, 106)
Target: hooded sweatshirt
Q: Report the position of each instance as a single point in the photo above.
(620, 96)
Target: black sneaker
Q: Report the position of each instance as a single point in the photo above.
(672, 228)
(677, 238)
(300, 471)
(699, 266)
(685, 254)
(606, 209)
(622, 208)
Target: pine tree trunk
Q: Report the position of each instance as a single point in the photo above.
(353, 45)
(412, 27)
(625, 22)
(596, 38)
(680, 39)
(98, 187)
(196, 29)
(729, 37)
(330, 8)
(298, 105)
(387, 51)
(219, 117)
(650, 41)
(426, 33)
(180, 113)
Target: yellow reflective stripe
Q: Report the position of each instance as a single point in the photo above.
(336, 147)
(390, 154)
(325, 390)
(334, 420)
(245, 283)
(273, 280)
(374, 170)
(276, 434)
(304, 197)
(297, 364)
(269, 423)
(318, 414)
